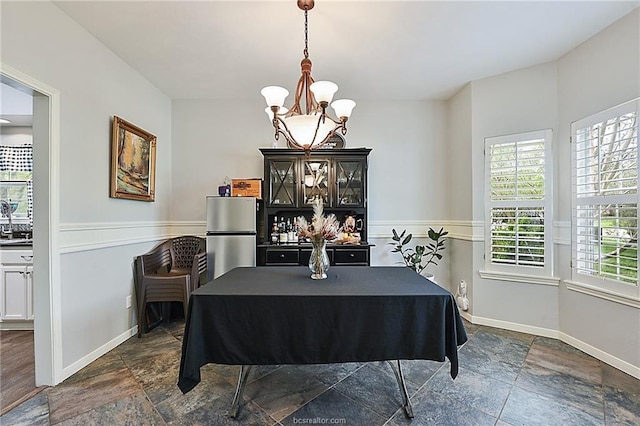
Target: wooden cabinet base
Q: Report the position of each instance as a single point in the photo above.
(298, 254)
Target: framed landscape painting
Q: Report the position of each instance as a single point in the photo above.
(133, 162)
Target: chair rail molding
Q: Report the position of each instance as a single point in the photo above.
(75, 237)
(458, 229)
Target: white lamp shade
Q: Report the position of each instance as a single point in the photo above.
(343, 107)
(269, 113)
(274, 95)
(323, 91)
(302, 128)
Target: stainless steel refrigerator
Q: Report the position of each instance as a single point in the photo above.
(231, 233)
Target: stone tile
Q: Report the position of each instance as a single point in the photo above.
(419, 371)
(475, 390)
(212, 386)
(558, 356)
(330, 374)
(109, 362)
(33, 412)
(375, 386)
(528, 408)
(621, 407)
(158, 375)
(485, 356)
(332, 407)
(513, 335)
(259, 371)
(69, 400)
(133, 410)
(470, 328)
(283, 391)
(136, 350)
(620, 380)
(215, 413)
(510, 348)
(562, 387)
(175, 328)
(433, 408)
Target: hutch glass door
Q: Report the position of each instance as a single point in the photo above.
(282, 181)
(315, 181)
(350, 183)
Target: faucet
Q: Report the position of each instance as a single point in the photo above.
(5, 209)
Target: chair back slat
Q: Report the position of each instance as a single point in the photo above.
(184, 249)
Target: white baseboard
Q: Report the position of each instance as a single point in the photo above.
(522, 328)
(92, 356)
(16, 325)
(603, 356)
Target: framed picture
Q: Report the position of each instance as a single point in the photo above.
(133, 162)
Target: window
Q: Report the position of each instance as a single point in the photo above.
(518, 203)
(16, 164)
(605, 199)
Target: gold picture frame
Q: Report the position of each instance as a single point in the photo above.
(133, 162)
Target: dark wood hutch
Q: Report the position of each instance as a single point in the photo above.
(293, 180)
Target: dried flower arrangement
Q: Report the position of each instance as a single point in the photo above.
(321, 227)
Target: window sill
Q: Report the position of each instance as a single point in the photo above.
(521, 278)
(612, 296)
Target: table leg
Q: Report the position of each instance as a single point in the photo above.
(242, 381)
(406, 404)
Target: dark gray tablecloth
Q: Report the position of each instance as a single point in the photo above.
(279, 315)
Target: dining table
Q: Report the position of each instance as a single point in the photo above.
(275, 315)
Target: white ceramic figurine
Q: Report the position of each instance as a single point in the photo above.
(461, 299)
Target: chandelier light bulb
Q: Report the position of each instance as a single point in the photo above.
(323, 91)
(343, 107)
(274, 95)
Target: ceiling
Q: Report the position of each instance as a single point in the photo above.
(405, 50)
(15, 105)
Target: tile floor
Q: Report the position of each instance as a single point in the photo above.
(506, 378)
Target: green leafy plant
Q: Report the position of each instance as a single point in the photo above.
(420, 257)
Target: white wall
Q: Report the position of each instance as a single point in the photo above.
(516, 102)
(16, 135)
(601, 73)
(94, 84)
(408, 179)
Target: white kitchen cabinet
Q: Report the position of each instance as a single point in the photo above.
(16, 285)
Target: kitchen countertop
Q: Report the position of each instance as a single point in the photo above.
(20, 243)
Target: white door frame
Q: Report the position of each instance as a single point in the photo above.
(46, 194)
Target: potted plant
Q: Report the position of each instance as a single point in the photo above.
(421, 256)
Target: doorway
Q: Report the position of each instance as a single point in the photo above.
(46, 283)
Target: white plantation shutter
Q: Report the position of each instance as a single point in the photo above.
(518, 202)
(605, 199)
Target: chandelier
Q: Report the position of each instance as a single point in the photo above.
(312, 127)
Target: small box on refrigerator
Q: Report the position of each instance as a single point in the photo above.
(246, 188)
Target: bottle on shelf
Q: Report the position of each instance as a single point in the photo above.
(295, 230)
(284, 237)
(275, 235)
(289, 231)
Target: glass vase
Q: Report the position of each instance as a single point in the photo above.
(319, 260)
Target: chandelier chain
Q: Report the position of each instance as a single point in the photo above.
(306, 35)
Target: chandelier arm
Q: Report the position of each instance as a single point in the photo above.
(326, 139)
